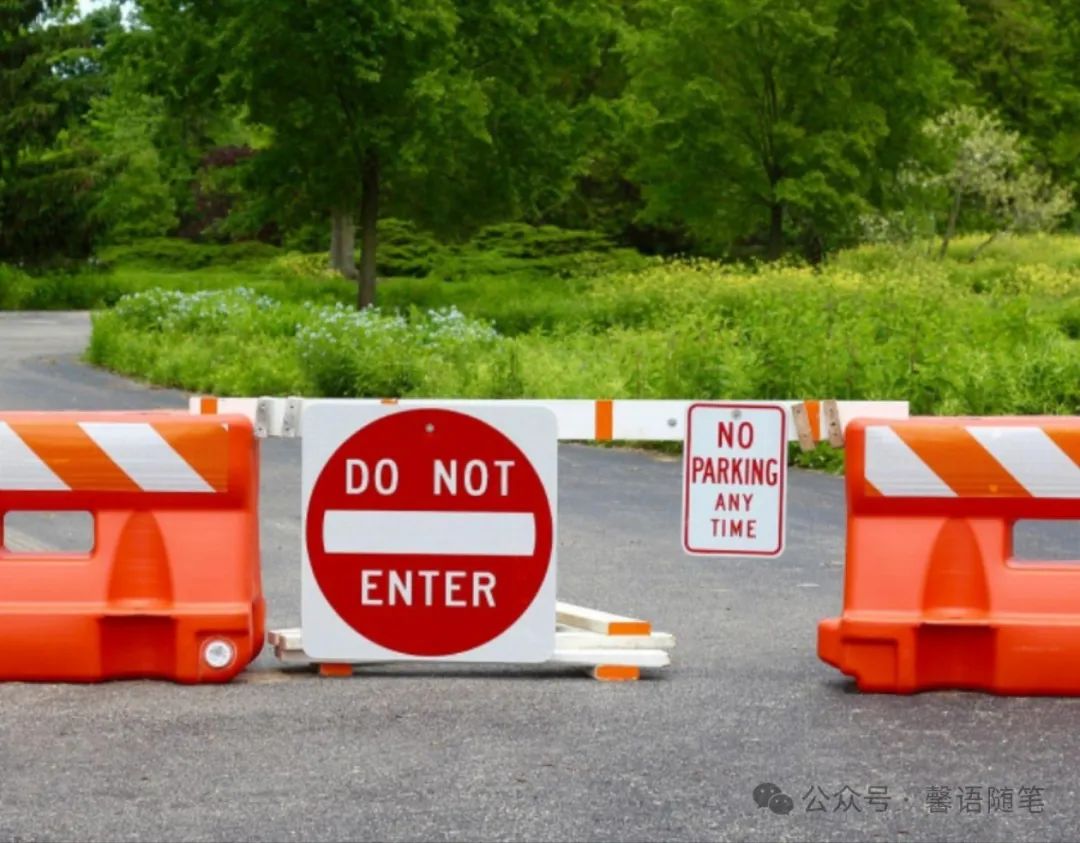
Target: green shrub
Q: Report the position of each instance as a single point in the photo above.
(520, 240)
(405, 250)
(13, 284)
(915, 329)
(57, 290)
(534, 253)
(242, 342)
(1069, 319)
(178, 255)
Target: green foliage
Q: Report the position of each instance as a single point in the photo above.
(823, 458)
(57, 290)
(176, 255)
(46, 202)
(952, 337)
(742, 128)
(512, 254)
(770, 122)
(331, 350)
(405, 250)
(519, 251)
(367, 354)
(135, 198)
(1018, 58)
(455, 113)
(46, 79)
(526, 241)
(984, 167)
(174, 265)
(1069, 320)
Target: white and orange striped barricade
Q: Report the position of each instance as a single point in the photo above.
(578, 419)
(611, 646)
(933, 596)
(172, 586)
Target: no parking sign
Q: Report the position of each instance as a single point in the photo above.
(428, 533)
(734, 479)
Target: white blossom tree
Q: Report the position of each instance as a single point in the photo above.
(985, 166)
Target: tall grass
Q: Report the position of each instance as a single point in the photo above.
(995, 335)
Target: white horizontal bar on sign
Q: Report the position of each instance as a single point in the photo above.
(429, 533)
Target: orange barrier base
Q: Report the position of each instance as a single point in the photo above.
(1003, 656)
(94, 644)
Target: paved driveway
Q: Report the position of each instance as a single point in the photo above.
(437, 753)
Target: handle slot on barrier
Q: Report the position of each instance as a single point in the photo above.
(1038, 542)
(30, 532)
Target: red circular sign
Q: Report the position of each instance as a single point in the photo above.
(405, 583)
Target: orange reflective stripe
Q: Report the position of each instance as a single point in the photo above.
(208, 406)
(205, 447)
(74, 457)
(813, 414)
(1068, 439)
(870, 490)
(629, 628)
(960, 461)
(605, 421)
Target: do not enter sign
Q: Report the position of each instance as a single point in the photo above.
(428, 533)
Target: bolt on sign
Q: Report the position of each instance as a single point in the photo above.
(734, 479)
(428, 533)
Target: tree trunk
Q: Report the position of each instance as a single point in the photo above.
(775, 247)
(950, 226)
(369, 219)
(343, 243)
(979, 249)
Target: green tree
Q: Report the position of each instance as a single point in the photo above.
(986, 167)
(772, 120)
(47, 77)
(165, 67)
(135, 196)
(1020, 59)
(456, 111)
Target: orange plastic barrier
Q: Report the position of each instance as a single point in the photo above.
(933, 597)
(172, 587)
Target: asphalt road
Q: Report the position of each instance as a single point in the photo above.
(425, 753)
